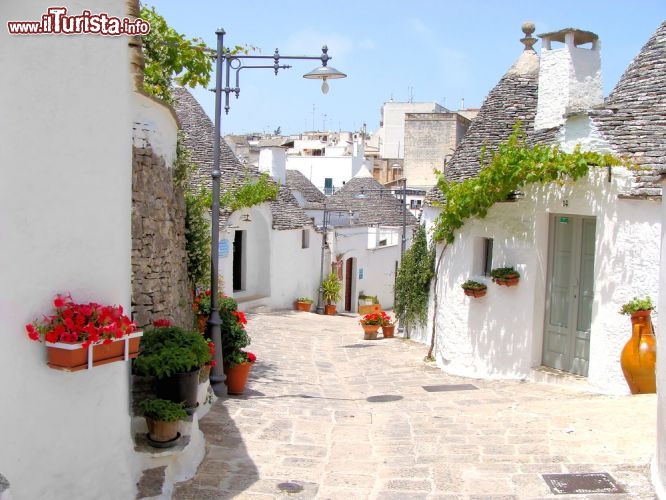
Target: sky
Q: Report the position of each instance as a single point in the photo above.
(444, 51)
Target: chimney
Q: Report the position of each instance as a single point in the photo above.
(569, 76)
(273, 159)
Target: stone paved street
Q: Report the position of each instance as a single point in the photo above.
(337, 417)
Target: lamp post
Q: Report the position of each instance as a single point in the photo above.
(225, 63)
(320, 295)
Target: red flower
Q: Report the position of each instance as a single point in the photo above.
(251, 357)
(162, 322)
(241, 317)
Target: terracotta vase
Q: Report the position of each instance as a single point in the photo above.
(507, 281)
(388, 331)
(639, 355)
(303, 306)
(370, 332)
(475, 293)
(72, 357)
(330, 309)
(236, 377)
(162, 433)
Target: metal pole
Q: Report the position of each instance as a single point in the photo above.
(214, 331)
(320, 296)
(404, 218)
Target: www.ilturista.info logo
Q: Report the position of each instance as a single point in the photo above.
(57, 22)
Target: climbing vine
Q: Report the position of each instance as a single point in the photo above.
(412, 284)
(514, 165)
(248, 192)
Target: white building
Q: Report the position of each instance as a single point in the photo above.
(583, 249)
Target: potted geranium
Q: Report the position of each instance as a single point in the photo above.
(174, 356)
(201, 304)
(639, 355)
(371, 323)
(388, 326)
(237, 362)
(303, 304)
(80, 336)
(474, 288)
(162, 418)
(506, 276)
(331, 292)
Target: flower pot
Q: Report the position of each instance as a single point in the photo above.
(202, 319)
(330, 309)
(236, 377)
(72, 357)
(162, 434)
(507, 281)
(475, 293)
(388, 331)
(180, 388)
(370, 332)
(639, 355)
(303, 306)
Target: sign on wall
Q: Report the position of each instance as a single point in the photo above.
(223, 248)
(360, 273)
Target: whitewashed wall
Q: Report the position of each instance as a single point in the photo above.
(491, 336)
(65, 202)
(155, 125)
(318, 168)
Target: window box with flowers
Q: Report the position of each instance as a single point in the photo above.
(505, 276)
(371, 324)
(81, 336)
(474, 288)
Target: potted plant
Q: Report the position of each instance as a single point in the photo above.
(388, 326)
(201, 304)
(368, 304)
(174, 356)
(331, 292)
(371, 324)
(80, 336)
(303, 304)
(474, 288)
(506, 276)
(162, 418)
(237, 362)
(639, 355)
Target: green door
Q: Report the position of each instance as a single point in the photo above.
(570, 294)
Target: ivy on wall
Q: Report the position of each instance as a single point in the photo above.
(514, 165)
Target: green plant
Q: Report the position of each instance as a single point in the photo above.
(373, 298)
(169, 350)
(331, 288)
(636, 304)
(514, 165)
(473, 285)
(201, 303)
(412, 285)
(304, 299)
(234, 335)
(163, 410)
(504, 273)
(197, 237)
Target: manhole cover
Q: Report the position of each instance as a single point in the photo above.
(450, 387)
(383, 398)
(290, 487)
(576, 484)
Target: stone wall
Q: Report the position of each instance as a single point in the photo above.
(160, 287)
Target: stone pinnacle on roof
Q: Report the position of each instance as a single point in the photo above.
(529, 41)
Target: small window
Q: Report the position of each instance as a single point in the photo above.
(328, 185)
(305, 238)
(487, 255)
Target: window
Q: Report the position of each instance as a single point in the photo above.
(414, 204)
(328, 185)
(305, 238)
(487, 256)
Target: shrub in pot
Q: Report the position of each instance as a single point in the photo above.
(331, 292)
(174, 356)
(303, 304)
(162, 418)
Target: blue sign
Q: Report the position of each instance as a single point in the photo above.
(360, 273)
(223, 248)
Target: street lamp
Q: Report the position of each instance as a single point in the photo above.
(227, 61)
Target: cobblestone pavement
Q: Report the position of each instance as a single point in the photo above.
(327, 415)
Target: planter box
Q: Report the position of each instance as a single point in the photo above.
(372, 308)
(72, 357)
(303, 306)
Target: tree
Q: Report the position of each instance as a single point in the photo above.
(412, 285)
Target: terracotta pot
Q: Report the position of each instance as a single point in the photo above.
(370, 332)
(475, 293)
(330, 309)
(236, 377)
(303, 306)
(162, 432)
(388, 331)
(507, 281)
(202, 319)
(639, 355)
(72, 357)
